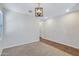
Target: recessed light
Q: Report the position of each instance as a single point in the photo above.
(67, 10)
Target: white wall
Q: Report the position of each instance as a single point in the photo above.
(63, 30)
(19, 29)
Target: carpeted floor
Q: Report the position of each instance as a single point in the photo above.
(34, 49)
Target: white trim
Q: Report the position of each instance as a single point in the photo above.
(2, 24)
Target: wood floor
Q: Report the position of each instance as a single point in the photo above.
(33, 49)
(65, 48)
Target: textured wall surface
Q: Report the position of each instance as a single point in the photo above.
(19, 29)
(63, 30)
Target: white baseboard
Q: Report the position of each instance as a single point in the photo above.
(22, 43)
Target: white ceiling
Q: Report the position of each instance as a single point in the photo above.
(50, 9)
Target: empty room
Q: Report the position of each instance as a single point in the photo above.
(39, 29)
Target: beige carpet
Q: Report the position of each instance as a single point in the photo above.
(34, 49)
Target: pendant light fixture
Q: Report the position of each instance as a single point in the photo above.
(39, 11)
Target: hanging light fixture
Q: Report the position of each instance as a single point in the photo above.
(38, 11)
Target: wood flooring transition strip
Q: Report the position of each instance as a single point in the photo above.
(71, 50)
